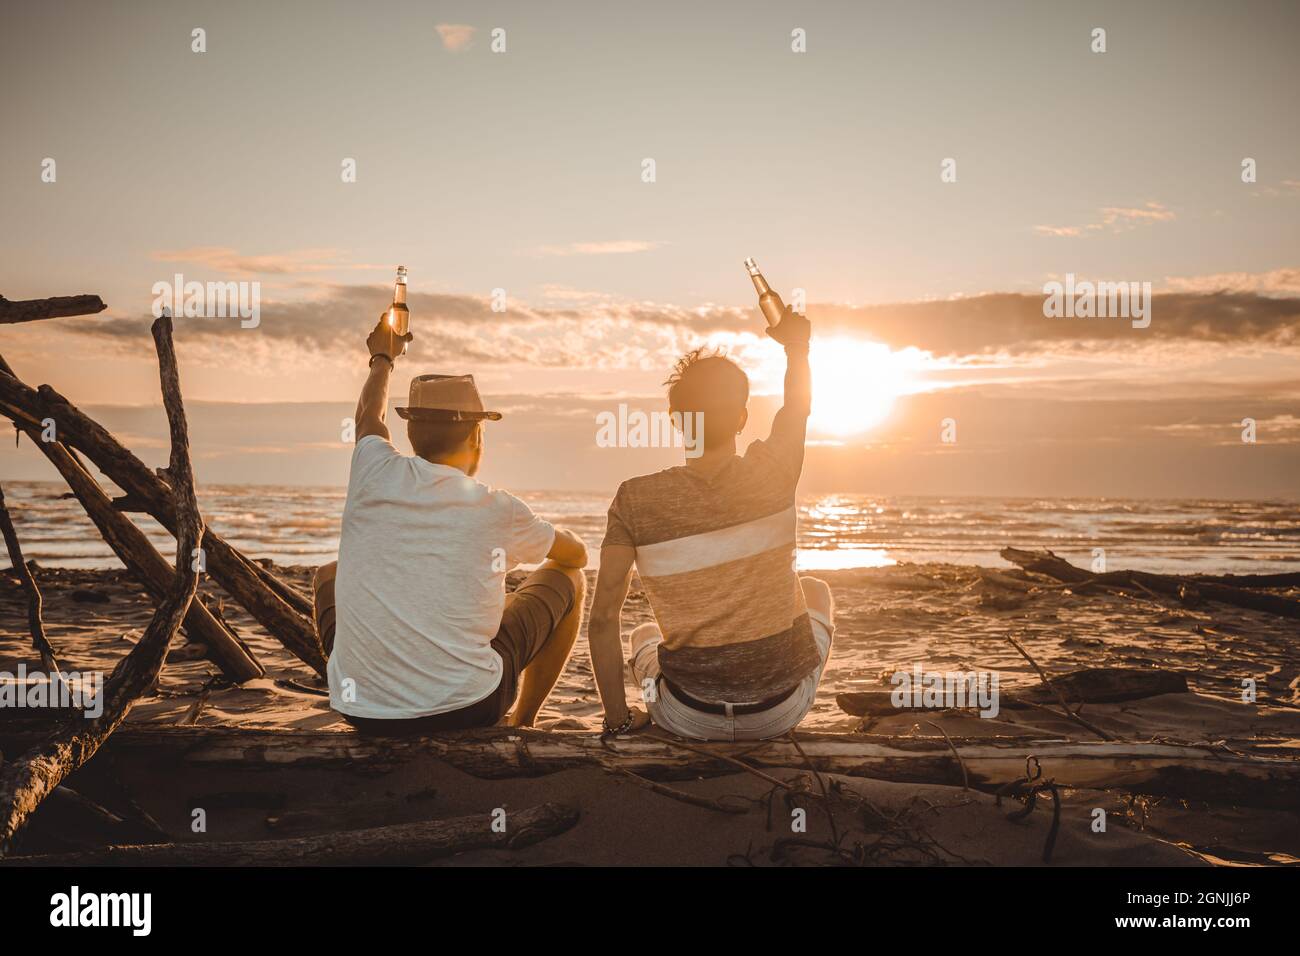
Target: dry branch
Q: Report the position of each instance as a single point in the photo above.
(1045, 562)
(1042, 674)
(241, 578)
(25, 782)
(148, 566)
(34, 621)
(403, 843)
(32, 310)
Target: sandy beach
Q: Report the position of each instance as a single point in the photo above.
(943, 617)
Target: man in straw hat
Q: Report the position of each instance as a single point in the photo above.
(420, 633)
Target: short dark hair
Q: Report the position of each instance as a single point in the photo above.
(435, 439)
(706, 380)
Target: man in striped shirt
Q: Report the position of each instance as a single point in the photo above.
(740, 640)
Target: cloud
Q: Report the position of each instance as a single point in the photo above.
(1278, 282)
(1114, 219)
(616, 247)
(455, 36)
(232, 262)
(1058, 230)
(1015, 323)
(577, 332)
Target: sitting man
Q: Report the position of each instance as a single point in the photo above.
(420, 633)
(741, 640)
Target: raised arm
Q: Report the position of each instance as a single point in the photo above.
(372, 407)
(790, 426)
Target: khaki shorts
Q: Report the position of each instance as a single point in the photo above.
(677, 718)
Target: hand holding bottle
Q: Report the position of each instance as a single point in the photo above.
(792, 331)
(384, 341)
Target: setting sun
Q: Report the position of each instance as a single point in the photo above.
(855, 384)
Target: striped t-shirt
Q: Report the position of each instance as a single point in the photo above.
(716, 557)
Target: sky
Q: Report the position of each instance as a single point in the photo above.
(523, 170)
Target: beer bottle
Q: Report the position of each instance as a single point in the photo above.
(399, 316)
(771, 304)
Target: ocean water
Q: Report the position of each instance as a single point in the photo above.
(301, 526)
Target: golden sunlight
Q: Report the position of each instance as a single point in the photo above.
(855, 384)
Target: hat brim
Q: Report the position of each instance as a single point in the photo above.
(444, 415)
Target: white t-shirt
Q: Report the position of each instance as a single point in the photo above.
(421, 584)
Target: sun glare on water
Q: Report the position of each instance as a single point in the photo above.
(854, 384)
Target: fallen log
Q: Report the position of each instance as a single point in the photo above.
(26, 781)
(1045, 562)
(1194, 772)
(403, 843)
(148, 566)
(230, 569)
(33, 310)
(1092, 685)
(1289, 579)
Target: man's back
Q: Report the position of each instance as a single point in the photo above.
(420, 588)
(715, 552)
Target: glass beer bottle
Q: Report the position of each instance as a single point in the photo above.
(399, 316)
(768, 301)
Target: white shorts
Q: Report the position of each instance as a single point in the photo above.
(677, 718)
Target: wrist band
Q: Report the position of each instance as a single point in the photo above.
(381, 355)
(621, 729)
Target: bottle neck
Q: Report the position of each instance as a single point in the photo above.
(760, 283)
(399, 293)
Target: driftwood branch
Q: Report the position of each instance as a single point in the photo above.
(1045, 562)
(404, 843)
(240, 577)
(1187, 771)
(1060, 697)
(26, 781)
(1091, 685)
(147, 565)
(35, 623)
(33, 310)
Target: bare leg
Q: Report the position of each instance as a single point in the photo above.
(817, 595)
(540, 675)
(322, 599)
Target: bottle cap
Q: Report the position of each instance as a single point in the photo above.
(752, 266)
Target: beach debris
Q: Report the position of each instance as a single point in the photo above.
(398, 844)
(27, 780)
(1178, 770)
(146, 563)
(1071, 714)
(1028, 789)
(60, 306)
(24, 574)
(284, 613)
(69, 820)
(1000, 600)
(1189, 590)
(1090, 685)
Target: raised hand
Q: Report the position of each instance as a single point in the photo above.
(384, 341)
(793, 329)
